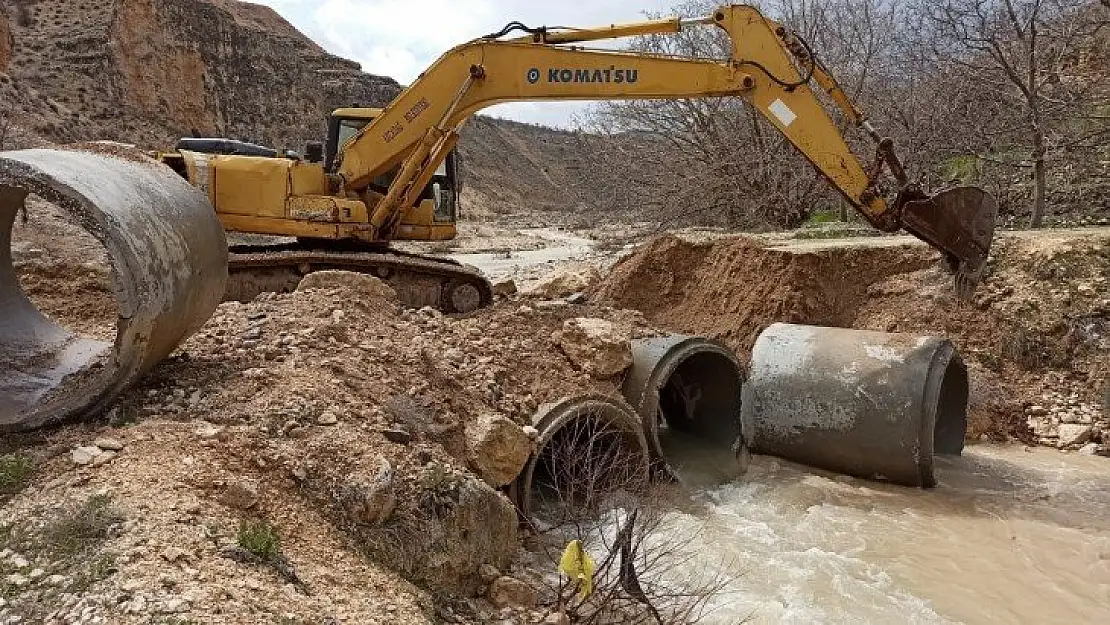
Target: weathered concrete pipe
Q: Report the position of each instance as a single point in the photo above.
(686, 390)
(168, 262)
(869, 404)
(588, 447)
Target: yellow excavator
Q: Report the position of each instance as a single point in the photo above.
(390, 174)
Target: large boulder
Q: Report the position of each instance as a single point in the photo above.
(508, 591)
(498, 448)
(565, 281)
(595, 346)
(369, 498)
(358, 283)
(1073, 435)
(476, 525)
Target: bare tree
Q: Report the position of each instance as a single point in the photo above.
(990, 92)
(1014, 53)
(591, 485)
(718, 161)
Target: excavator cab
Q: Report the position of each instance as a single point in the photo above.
(434, 215)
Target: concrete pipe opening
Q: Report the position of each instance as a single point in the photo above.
(167, 264)
(590, 447)
(687, 393)
(869, 404)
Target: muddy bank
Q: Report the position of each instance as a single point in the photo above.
(1038, 326)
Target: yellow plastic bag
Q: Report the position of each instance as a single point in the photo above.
(578, 566)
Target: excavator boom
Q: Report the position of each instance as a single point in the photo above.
(771, 68)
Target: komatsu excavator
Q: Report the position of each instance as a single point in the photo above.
(390, 174)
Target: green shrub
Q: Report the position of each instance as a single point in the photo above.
(260, 539)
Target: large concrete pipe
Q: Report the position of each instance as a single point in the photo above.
(869, 404)
(686, 390)
(168, 263)
(589, 446)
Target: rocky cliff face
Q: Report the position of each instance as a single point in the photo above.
(544, 175)
(149, 71)
(6, 39)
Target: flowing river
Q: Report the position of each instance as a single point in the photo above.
(1010, 535)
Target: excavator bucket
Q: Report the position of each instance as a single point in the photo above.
(960, 223)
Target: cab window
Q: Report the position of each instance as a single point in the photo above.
(349, 127)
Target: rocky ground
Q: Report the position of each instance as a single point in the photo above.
(320, 454)
(329, 456)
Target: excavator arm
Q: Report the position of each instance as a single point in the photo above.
(770, 68)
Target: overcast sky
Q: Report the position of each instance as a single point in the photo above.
(399, 38)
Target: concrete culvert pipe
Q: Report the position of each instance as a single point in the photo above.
(168, 266)
(589, 447)
(869, 404)
(687, 392)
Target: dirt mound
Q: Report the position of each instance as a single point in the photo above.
(731, 289)
(1040, 323)
(332, 415)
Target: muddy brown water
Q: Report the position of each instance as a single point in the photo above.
(1010, 535)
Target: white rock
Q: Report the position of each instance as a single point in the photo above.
(109, 444)
(1072, 435)
(497, 448)
(1090, 449)
(104, 458)
(327, 417)
(84, 455)
(173, 606)
(17, 580)
(370, 499)
(1037, 411)
(595, 346)
(137, 605)
(207, 430)
(508, 591)
(19, 561)
(565, 281)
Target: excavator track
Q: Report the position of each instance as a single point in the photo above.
(419, 280)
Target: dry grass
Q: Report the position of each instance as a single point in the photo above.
(79, 530)
(15, 472)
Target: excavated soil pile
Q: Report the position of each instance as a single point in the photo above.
(1037, 333)
(731, 289)
(347, 422)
